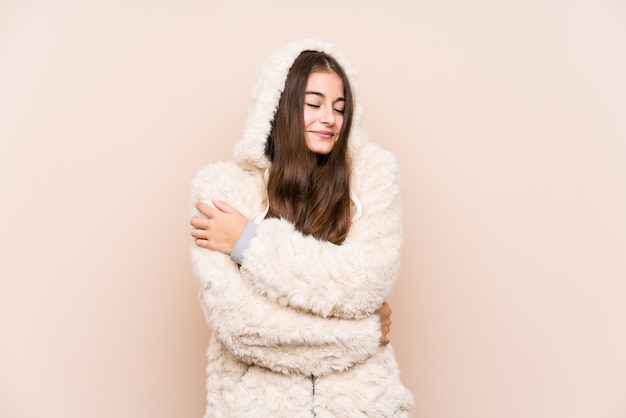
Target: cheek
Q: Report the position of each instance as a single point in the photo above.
(308, 118)
(339, 123)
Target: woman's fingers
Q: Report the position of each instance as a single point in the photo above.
(199, 233)
(205, 209)
(199, 223)
(219, 228)
(384, 312)
(222, 206)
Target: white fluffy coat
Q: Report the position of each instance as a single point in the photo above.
(294, 329)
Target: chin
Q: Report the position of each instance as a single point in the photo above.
(322, 149)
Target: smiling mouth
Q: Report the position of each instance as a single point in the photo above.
(324, 134)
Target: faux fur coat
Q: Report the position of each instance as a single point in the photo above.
(294, 328)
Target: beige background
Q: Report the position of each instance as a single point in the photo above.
(509, 122)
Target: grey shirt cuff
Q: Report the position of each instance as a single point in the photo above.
(243, 242)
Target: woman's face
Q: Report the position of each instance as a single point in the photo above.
(323, 111)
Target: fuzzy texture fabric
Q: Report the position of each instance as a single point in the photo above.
(294, 328)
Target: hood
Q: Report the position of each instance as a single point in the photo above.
(249, 151)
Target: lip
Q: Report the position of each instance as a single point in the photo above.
(324, 134)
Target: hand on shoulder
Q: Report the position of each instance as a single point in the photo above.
(219, 227)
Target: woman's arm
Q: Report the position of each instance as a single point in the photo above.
(346, 281)
(259, 330)
(282, 339)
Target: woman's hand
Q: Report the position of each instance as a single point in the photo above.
(220, 228)
(384, 312)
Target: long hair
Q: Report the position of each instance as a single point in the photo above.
(312, 191)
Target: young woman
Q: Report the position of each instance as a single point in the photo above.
(297, 244)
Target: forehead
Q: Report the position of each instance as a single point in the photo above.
(327, 83)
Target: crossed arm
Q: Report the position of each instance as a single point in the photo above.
(325, 302)
(219, 229)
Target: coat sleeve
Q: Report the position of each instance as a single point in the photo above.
(261, 331)
(345, 281)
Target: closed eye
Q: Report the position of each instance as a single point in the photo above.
(313, 105)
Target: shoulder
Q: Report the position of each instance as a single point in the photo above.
(371, 160)
(215, 171)
(375, 180)
(215, 176)
(228, 181)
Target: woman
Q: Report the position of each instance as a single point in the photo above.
(297, 245)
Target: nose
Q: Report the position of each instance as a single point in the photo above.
(328, 116)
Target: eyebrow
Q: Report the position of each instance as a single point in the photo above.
(322, 95)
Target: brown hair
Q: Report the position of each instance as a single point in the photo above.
(312, 191)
